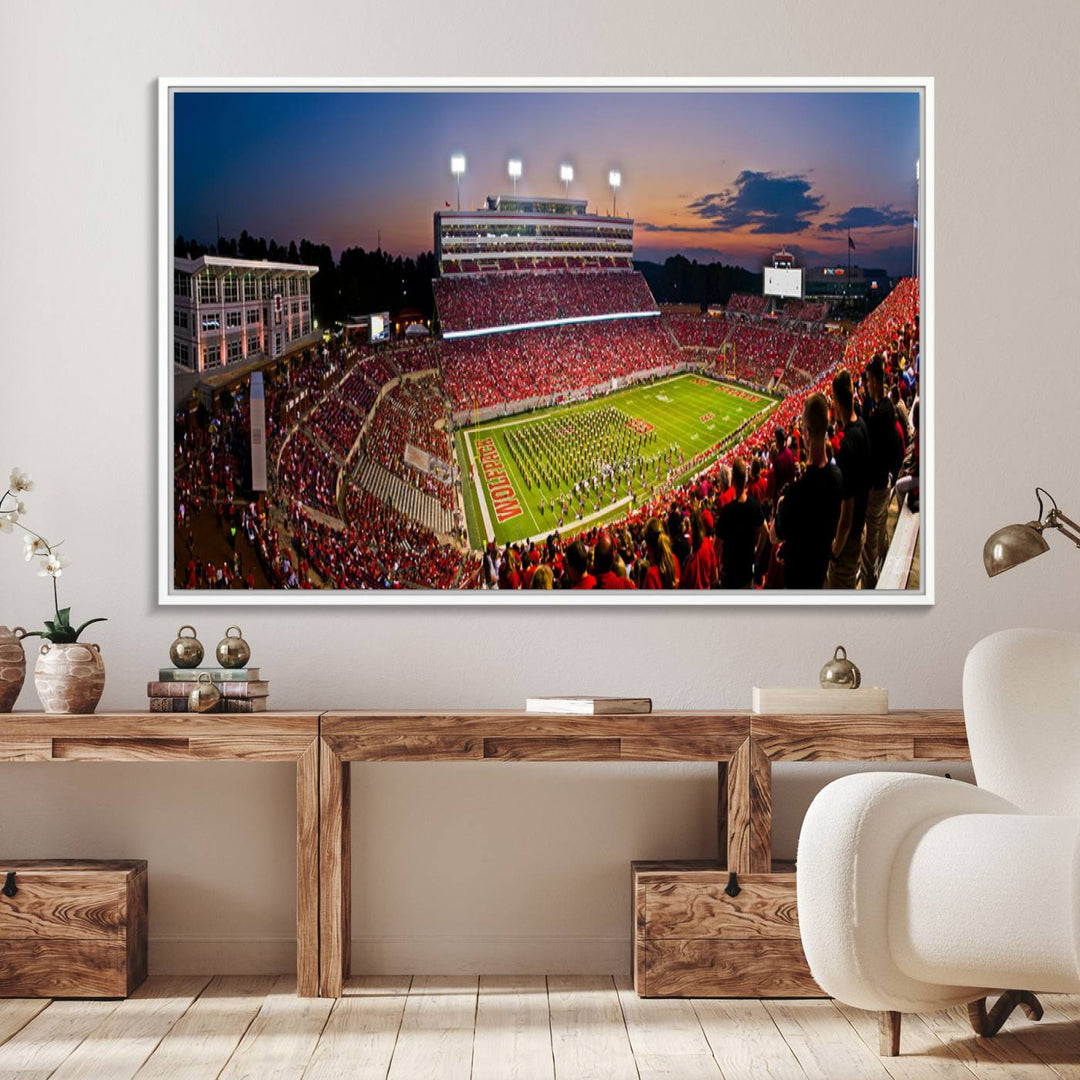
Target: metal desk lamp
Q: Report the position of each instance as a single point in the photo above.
(1014, 544)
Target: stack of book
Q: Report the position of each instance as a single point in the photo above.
(241, 689)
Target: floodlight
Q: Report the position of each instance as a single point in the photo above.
(514, 168)
(614, 178)
(457, 167)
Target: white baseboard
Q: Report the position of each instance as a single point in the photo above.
(430, 954)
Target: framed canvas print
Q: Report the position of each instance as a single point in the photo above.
(546, 341)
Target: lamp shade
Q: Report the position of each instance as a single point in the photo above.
(1012, 545)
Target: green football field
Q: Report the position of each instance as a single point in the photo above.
(517, 466)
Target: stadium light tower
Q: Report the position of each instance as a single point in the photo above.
(614, 178)
(514, 168)
(566, 174)
(457, 167)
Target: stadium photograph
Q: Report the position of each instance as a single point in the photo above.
(639, 342)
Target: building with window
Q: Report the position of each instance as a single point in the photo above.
(232, 311)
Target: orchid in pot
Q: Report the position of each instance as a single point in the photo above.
(69, 675)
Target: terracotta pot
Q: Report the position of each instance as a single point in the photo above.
(69, 678)
(12, 666)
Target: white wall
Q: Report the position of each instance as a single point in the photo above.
(493, 867)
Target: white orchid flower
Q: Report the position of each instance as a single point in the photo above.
(34, 545)
(20, 481)
(54, 564)
(7, 520)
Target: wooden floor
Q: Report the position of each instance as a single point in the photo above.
(516, 1028)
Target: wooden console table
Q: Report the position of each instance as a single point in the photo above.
(261, 737)
(323, 745)
(743, 745)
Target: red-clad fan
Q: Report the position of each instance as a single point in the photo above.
(577, 567)
(604, 565)
(700, 571)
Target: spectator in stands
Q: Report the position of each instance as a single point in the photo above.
(604, 565)
(576, 558)
(626, 555)
(783, 464)
(724, 491)
(737, 533)
(809, 509)
(886, 455)
(902, 412)
(509, 578)
(680, 546)
(542, 578)
(700, 571)
(758, 486)
(663, 570)
(853, 460)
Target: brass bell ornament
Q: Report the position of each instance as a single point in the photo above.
(204, 695)
(186, 651)
(840, 673)
(233, 652)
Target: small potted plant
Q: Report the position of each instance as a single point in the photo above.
(69, 674)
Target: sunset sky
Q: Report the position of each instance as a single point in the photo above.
(717, 175)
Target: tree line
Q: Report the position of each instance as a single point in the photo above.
(678, 280)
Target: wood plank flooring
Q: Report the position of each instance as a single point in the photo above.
(523, 1027)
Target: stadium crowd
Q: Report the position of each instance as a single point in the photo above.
(704, 331)
(747, 304)
(814, 353)
(471, 302)
(306, 474)
(408, 414)
(521, 364)
(335, 424)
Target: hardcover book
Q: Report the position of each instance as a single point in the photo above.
(226, 689)
(588, 706)
(229, 705)
(218, 674)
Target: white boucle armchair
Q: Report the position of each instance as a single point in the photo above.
(917, 893)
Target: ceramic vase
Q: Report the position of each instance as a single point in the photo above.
(12, 666)
(69, 678)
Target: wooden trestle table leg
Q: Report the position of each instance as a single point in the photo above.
(334, 872)
(749, 810)
(307, 871)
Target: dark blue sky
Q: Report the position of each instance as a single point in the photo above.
(714, 174)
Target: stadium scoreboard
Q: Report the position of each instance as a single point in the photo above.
(379, 326)
(784, 281)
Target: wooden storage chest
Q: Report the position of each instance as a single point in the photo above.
(71, 928)
(693, 939)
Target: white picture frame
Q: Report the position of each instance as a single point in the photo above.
(169, 595)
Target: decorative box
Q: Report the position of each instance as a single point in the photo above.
(72, 928)
(700, 931)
